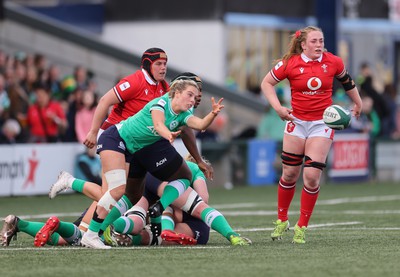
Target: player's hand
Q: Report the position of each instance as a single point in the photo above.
(90, 140)
(173, 136)
(356, 111)
(207, 169)
(217, 106)
(285, 113)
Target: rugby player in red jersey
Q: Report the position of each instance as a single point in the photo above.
(311, 71)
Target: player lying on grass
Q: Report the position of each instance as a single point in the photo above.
(190, 202)
(67, 233)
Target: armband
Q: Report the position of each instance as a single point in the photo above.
(347, 82)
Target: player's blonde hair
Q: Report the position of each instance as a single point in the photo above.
(181, 85)
(190, 158)
(294, 47)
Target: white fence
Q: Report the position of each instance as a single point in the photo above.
(30, 169)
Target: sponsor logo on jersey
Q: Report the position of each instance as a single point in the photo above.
(278, 65)
(160, 163)
(121, 146)
(314, 83)
(152, 130)
(124, 86)
(173, 125)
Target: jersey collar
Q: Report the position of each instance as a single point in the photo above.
(307, 59)
(148, 78)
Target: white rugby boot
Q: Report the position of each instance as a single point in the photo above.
(63, 183)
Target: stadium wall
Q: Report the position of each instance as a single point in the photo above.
(30, 169)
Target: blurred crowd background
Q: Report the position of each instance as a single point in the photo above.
(57, 57)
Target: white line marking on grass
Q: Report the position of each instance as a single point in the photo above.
(235, 206)
(309, 226)
(138, 248)
(36, 216)
(249, 213)
(361, 212)
(359, 199)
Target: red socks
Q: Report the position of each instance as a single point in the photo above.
(308, 199)
(285, 196)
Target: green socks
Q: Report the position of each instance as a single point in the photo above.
(217, 222)
(77, 185)
(117, 211)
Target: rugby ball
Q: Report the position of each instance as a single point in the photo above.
(337, 117)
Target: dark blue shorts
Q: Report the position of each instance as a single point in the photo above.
(160, 159)
(111, 140)
(150, 188)
(200, 229)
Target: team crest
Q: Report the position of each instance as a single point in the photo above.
(290, 127)
(173, 125)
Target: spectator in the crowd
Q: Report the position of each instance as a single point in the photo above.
(40, 63)
(53, 82)
(4, 100)
(368, 121)
(85, 114)
(81, 77)
(74, 104)
(19, 104)
(9, 131)
(389, 125)
(46, 118)
(68, 87)
(20, 72)
(367, 88)
(30, 81)
(3, 60)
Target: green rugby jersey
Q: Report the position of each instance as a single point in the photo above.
(138, 131)
(196, 172)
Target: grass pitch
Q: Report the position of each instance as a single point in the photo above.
(354, 231)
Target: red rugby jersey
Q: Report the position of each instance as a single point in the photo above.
(134, 92)
(311, 83)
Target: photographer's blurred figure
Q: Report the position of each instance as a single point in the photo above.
(88, 166)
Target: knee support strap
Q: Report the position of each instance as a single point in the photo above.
(292, 159)
(107, 201)
(137, 211)
(310, 163)
(192, 202)
(115, 178)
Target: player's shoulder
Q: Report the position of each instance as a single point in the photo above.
(331, 56)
